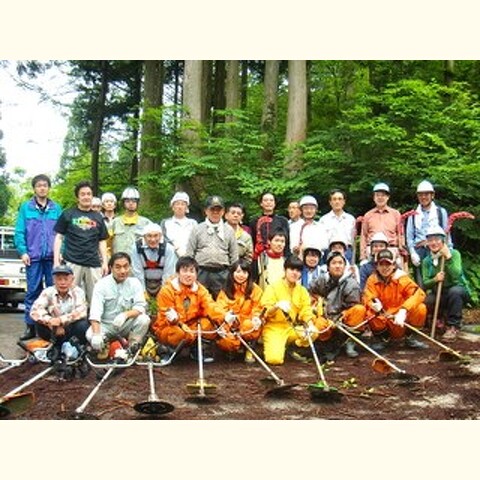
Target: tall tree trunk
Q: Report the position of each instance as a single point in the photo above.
(207, 90)
(193, 101)
(270, 103)
(244, 84)
(448, 72)
(232, 87)
(219, 90)
(150, 160)
(297, 114)
(137, 98)
(98, 125)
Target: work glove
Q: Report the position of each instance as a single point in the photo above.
(415, 257)
(283, 305)
(230, 318)
(400, 317)
(377, 305)
(311, 329)
(171, 315)
(363, 262)
(119, 320)
(256, 323)
(121, 354)
(97, 341)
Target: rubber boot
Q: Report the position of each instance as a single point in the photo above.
(350, 349)
(381, 341)
(412, 342)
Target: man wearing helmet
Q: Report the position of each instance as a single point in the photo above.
(306, 230)
(392, 299)
(454, 291)
(381, 218)
(127, 228)
(428, 214)
(178, 227)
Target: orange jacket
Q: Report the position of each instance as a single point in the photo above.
(240, 306)
(400, 291)
(189, 302)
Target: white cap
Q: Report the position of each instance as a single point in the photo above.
(109, 196)
(435, 230)
(183, 196)
(308, 200)
(379, 237)
(425, 186)
(381, 187)
(131, 193)
(151, 228)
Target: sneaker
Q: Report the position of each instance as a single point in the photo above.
(412, 342)
(450, 334)
(350, 349)
(249, 358)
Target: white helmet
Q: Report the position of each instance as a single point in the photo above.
(109, 196)
(435, 230)
(131, 193)
(381, 187)
(183, 196)
(338, 239)
(379, 237)
(425, 186)
(308, 200)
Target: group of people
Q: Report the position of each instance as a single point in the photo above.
(276, 283)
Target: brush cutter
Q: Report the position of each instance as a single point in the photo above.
(154, 406)
(447, 354)
(79, 413)
(201, 390)
(281, 386)
(381, 364)
(321, 390)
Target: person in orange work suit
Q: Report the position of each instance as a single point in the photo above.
(182, 302)
(241, 299)
(392, 298)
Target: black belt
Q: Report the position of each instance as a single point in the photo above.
(213, 269)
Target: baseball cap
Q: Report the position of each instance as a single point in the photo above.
(381, 187)
(435, 231)
(385, 256)
(214, 201)
(62, 269)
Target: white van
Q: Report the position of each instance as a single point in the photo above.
(13, 282)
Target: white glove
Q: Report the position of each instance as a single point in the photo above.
(311, 329)
(415, 258)
(230, 318)
(119, 320)
(222, 332)
(171, 315)
(363, 262)
(97, 341)
(377, 305)
(283, 305)
(400, 317)
(121, 354)
(256, 323)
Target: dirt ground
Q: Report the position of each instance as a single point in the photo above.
(444, 390)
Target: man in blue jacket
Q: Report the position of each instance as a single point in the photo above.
(34, 236)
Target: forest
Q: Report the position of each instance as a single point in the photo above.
(237, 128)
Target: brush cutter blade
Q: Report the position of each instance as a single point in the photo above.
(280, 390)
(18, 403)
(381, 366)
(403, 378)
(154, 408)
(321, 392)
(4, 411)
(78, 416)
(208, 388)
(446, 356)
